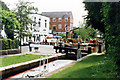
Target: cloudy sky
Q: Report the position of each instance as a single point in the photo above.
(76, 6)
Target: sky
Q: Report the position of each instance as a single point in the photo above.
(76, 6)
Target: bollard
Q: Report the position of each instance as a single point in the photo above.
(89, 50)
(99, 50)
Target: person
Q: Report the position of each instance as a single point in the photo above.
(30, 41)
(45, 41)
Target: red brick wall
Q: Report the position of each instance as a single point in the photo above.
(62, 23)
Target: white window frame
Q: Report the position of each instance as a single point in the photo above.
(60, 19)
(59, 26)
(54, 19)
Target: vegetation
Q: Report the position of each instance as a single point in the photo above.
(97, 66)
(9, 44)
(18, 59)
(3, 6)
(63, 35)
(105, 17)
(23, 10)
(85, 33)
(9, 20)
(95, 15)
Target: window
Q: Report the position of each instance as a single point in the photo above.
(54, 28)
(59, 26)
(45, 23)
(39, 23)
(60, 19)
(35, 19)
(66, 19)
(54, 19)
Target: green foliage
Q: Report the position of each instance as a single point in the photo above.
(109, 15)
(23, 10)
(19, 59)
(112, 35)
(5, 44)
(15, 44)
(3, 6)
(95, 15)
(9, 20)
(63, 35)
(96, 66)
(85, 33)
(9, 44)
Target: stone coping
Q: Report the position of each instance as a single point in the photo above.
(28, 62)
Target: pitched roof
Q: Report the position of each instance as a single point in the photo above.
(57, 14)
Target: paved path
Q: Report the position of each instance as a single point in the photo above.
(43, 50)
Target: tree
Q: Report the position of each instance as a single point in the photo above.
(108, 14)
(3, 6)
(85, 33)
(95, 15)
(112, 31)
(23, 11)
(9, 20)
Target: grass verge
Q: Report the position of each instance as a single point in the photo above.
(96, 66)
(18, 59)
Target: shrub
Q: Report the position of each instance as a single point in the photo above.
(10, 44)
(5, 44)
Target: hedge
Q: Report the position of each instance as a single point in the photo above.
(9, 44)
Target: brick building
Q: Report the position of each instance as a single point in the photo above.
(60, 21)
